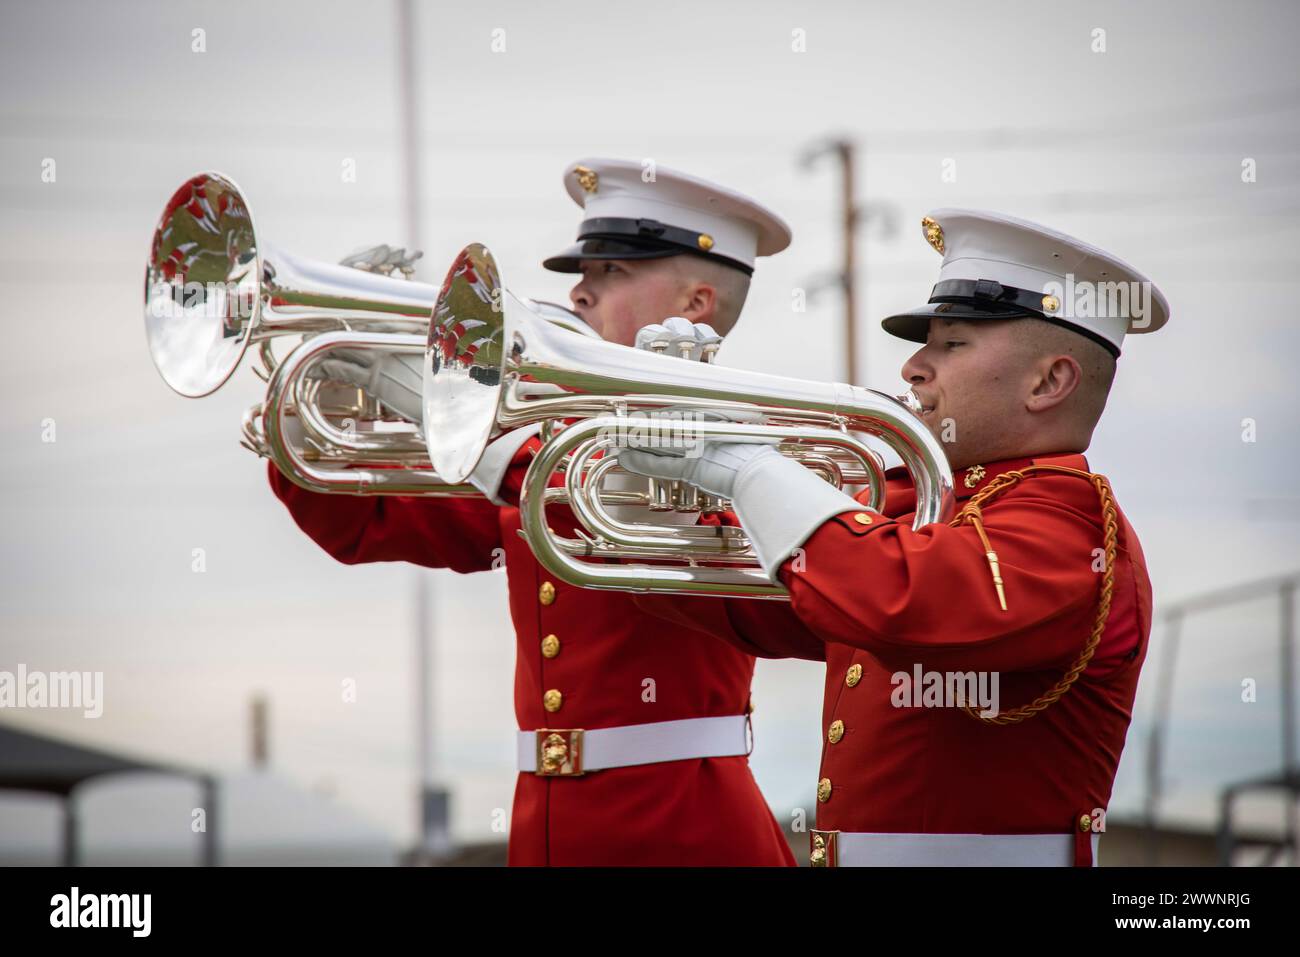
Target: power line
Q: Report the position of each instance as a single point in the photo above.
(144, 131)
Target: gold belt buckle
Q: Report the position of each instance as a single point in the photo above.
(559, 752)
(825, 849)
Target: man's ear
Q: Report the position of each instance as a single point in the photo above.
(700, 302)
(1058, 377)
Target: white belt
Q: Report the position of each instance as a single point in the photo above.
(859, 849)
(569, 752)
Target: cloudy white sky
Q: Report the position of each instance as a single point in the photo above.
(1138, 149)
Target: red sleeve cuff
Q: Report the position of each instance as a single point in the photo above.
(859, 524)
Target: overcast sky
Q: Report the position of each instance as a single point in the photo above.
(1138, 149)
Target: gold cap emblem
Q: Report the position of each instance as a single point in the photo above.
(933, 234)
(587, 178)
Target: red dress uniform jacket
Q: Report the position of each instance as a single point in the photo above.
(876, 599)
(706, 811)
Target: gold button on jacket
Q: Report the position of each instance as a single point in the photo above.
(853, 676)
(836, 732)
(546, 594)
(552, 700)
(550, 646)
(824, 790)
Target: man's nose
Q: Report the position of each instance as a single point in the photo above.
(916, 370)
(580, 295)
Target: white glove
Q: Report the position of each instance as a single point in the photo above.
(679, 337)
(495, 462)
(395, 379)
(712, 466)
(383, 259)
(778, 501)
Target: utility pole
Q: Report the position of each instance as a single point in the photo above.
(853, 260)
(844, 152)
(261, 734)
(1287, 672)
(434, 842)
(409, 120)
(435, 800)
(848, 267)
(1156, 735)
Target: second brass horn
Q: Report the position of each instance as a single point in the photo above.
(214, 287)
(493, 366)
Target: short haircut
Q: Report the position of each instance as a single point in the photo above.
(1039, 338)
(731, 284)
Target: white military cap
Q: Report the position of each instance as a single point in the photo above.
(1000, 267)
(626, 217)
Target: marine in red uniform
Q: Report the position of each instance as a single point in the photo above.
(980, 673)
(634, 734)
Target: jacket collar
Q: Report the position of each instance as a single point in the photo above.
(973, 479)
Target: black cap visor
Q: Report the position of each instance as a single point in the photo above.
(570, 259)
(914, 325)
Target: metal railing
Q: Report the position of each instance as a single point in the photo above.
(1287, 780)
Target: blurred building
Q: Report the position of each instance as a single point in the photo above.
(62, 803)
